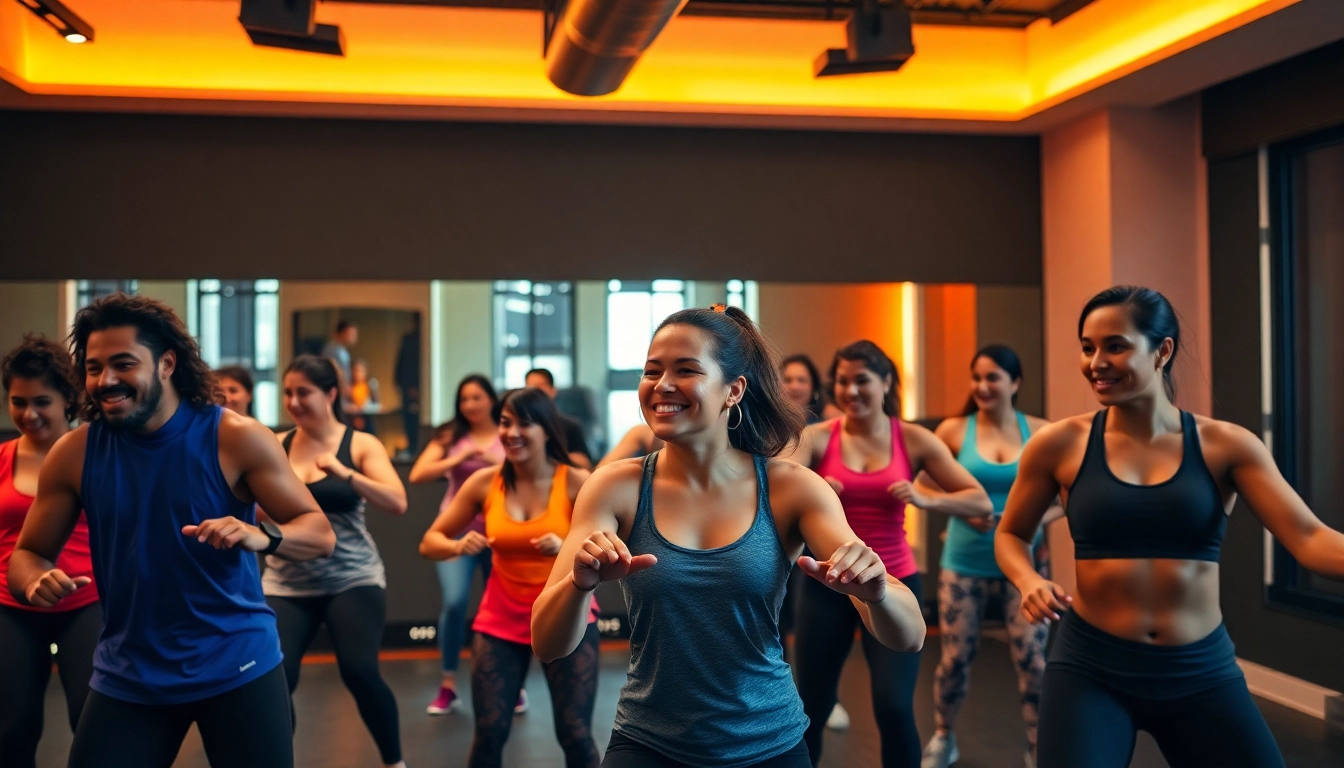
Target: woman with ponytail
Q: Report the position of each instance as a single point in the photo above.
(1147, 489)
(345, 471)
(870, 458)
(704, 575)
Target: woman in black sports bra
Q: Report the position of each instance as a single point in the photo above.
(1147, 489)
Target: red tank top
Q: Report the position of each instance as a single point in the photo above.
(74, 558)
(874, 514)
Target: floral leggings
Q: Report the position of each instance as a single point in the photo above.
(961, 607)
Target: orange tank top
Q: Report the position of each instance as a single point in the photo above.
(518, 571)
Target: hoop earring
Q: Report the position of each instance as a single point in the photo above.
(740, 416)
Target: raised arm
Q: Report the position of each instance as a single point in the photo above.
(634, 442)
(888, 608)
(435, 462)
(959, 492)
(1034, 491)
(34, 578)
(1316, 546)
(265, 474)
(592, 553)
(438, 542)
(372, 477)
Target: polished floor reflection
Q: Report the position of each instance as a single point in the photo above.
(330, 734)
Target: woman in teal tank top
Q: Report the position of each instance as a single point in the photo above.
(987, 441)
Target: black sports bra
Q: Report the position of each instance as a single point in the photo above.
(333, 495)
(1182, 518)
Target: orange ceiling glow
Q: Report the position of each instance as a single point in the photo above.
(422, 55)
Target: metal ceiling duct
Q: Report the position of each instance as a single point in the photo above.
(598, 42)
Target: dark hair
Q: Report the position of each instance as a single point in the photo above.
(1003, 356)
(532, 406)
(324, 375)
(341, 325)
(239, 374)
(875, 360)
(48, 361)
(542, 372)
(817, 403)
(1151, 314)
(157, 327)
(769, 421)
(458, 424)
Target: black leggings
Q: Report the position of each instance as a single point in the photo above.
(823, 636)
(354, 618)
(1086, 724)
(625, 752)
(243, 728)
(26, 638)
(498, 668)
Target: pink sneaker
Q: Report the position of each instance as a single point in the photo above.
(521, 706)
(446, 701)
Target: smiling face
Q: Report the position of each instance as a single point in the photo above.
(683, 391)
(992, 387)
(305, 402)
(522, 440)
(1118, 360)
(37, 410)
(123, 378)
(798, 384)
(859, 391)
(474, 404)
(236, 396)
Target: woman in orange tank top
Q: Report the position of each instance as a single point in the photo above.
(527, 503)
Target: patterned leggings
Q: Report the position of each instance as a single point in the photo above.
(961, 607)
(498, 670)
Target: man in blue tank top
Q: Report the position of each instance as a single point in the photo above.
(169, 481)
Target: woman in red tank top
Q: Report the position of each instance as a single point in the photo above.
(527, 503)
(40, 388)
(871, 458)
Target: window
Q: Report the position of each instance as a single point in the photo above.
(238, 323)
(634, 309)
(534, 328)
(1307, 289)
(90, 291)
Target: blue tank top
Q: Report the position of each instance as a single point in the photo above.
(708, 684)
(183, 621)
(968, 552)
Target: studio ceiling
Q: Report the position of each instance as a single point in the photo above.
(432, 59)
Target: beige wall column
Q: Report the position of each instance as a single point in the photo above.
(1124, 202)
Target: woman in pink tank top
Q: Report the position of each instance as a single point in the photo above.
(871, 458)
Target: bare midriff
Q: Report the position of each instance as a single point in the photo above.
(1160, 602)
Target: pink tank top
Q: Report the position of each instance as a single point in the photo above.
(874, 514)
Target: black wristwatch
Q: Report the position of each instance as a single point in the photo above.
(273, 533)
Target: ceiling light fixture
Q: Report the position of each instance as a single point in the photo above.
(66, 22)
(878, 40)
(289, 24)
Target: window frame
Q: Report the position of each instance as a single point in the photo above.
(1288, 588)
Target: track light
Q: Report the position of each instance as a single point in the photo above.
(289, 24)
(66, 22)
(878, 40)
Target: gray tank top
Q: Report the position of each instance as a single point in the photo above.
(355, 561)
(708, 684)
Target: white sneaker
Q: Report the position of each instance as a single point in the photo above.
(521, 706)
(839, 719)
(941, 751)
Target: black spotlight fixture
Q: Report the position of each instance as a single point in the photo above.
(289, 24)
(66, 22)
(879, 40)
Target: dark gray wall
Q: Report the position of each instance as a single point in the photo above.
(1302, 647)
(172, 197)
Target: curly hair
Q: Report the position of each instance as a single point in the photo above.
(47, 361)
(157, 327)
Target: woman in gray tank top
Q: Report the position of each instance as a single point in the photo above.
(701, 536)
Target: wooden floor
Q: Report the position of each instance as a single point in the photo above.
(330, 734)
